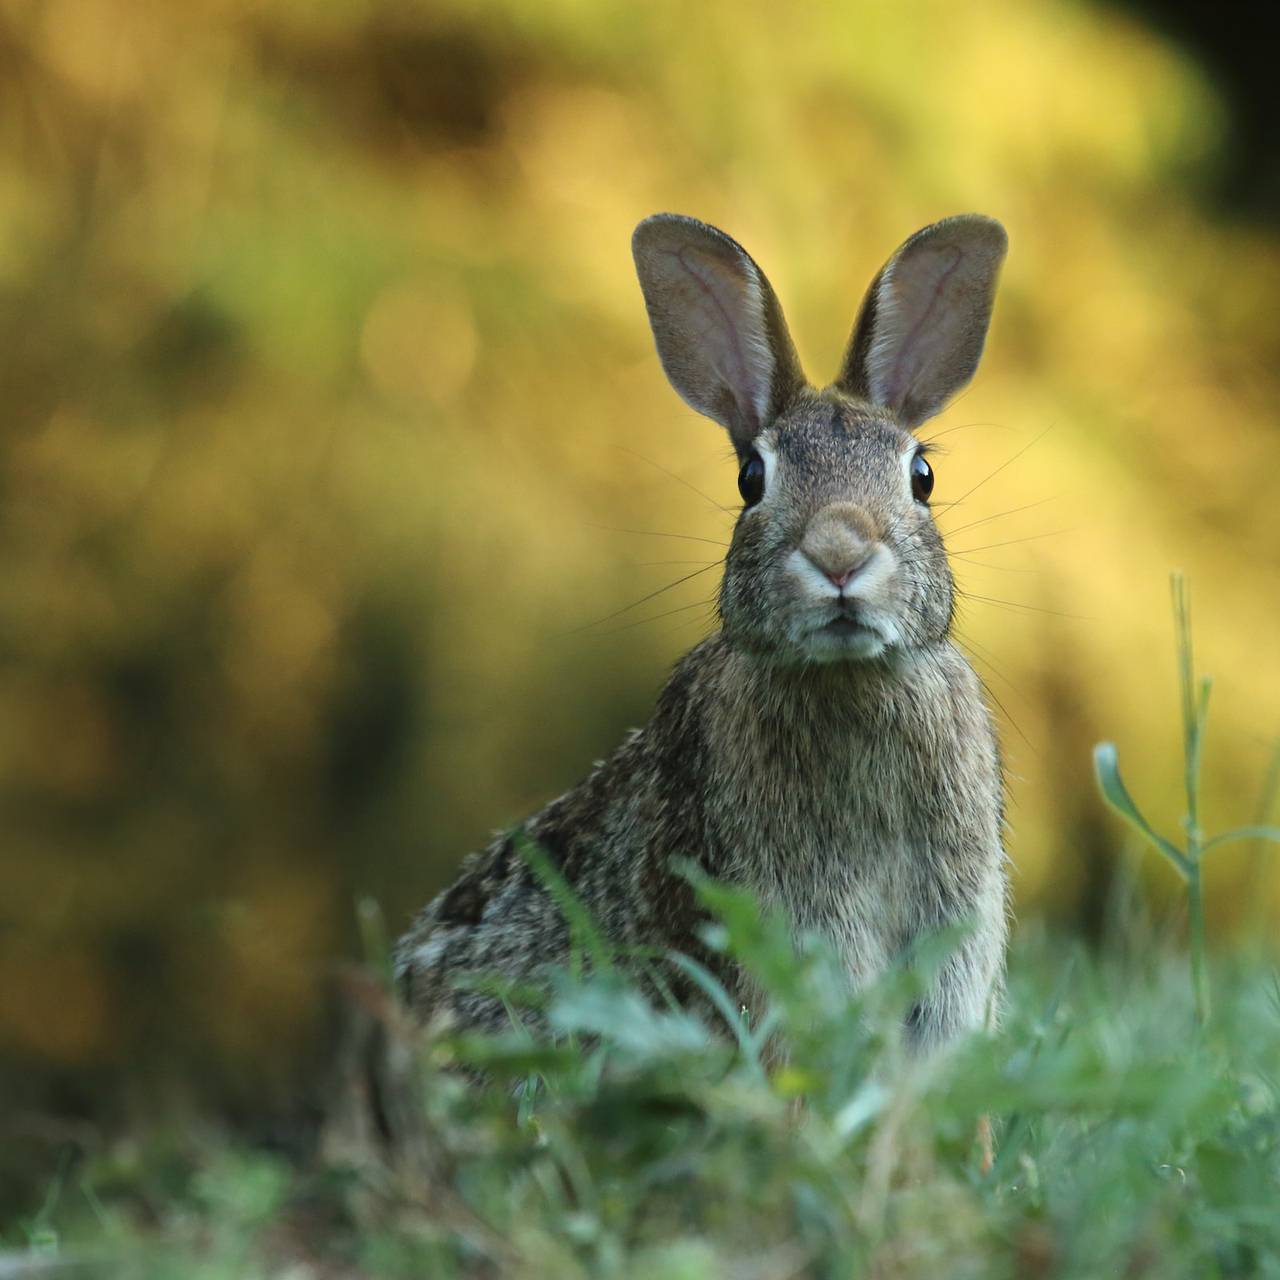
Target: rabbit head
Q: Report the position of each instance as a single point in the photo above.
(835, 555)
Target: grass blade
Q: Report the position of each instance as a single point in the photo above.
(1243, 833)
(1107, 767)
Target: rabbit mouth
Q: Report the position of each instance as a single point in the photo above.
(843, 625)
(843, 636)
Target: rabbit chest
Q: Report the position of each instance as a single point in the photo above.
(864, 806)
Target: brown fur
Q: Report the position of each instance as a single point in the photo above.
(829, 747)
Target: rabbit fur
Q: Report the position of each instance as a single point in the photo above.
(828, 748)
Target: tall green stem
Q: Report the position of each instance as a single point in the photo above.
(1199, 974)
(1195, 715)
(1195, 709)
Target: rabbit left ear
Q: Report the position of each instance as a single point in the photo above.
(919, 335)
(718, 327)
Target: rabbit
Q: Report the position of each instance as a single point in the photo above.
(828, 748)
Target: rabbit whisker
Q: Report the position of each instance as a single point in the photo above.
(999, 515)
(696, 604)
(651, 564)
(1001, 568)
(965, 426)
(959, 553)
(987, 690)
(657, 466)
(1017, 604)
(643, 600)
(1006, 463)
(652, 533)
(1011, 542)
(709, 618)
(976, 650)
(1004, 711)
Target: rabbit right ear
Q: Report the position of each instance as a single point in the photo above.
(718, 326)
(920, 333)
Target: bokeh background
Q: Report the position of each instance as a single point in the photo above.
(334, 449)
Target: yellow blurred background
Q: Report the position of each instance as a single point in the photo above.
(332, 423)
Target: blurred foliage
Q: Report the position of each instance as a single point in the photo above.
(647, 1144)
(328, 393)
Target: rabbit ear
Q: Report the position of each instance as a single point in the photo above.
(920, 332)
(719, 330)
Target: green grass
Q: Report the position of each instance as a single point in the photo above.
(1130, 1142)
(1187, 858)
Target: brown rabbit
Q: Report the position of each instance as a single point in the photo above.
(828, 747)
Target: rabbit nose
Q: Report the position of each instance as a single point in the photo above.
(840, 579)
(839, 541)
(841, 571)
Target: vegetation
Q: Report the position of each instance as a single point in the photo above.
(1128, 1141)
(1187, 859)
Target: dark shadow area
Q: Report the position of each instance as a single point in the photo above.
(1236, 46)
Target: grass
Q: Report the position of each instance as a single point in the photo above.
(1187, 859)
(1135, 1134)
(1130, 1142)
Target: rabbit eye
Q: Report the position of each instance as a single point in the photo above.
(751, 479)
(921, 478)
